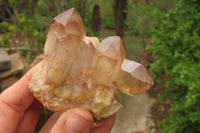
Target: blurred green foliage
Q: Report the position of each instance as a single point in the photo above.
(29, 29)
(108, 22)
(176, 48)
(87, 20)
(176, 45)
(13, 2)
(34, 18)
(4, 25)
(133, 29)
(7, 31)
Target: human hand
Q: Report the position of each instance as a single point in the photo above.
(20, 111)
(75, 121)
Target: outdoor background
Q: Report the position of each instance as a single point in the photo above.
(163, 35)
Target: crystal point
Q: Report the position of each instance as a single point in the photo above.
(80, 71)
(112, 47)
(72, 22)
(133, 78)
(107, 60)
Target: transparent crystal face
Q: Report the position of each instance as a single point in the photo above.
(133, 78)
(80, 71)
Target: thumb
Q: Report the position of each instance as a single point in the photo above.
(73, 121)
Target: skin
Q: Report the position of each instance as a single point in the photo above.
(20, 111)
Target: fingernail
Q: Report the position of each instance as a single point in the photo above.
(77, 124)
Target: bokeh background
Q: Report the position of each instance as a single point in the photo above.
(164, 35)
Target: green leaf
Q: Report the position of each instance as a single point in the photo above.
(13, 28)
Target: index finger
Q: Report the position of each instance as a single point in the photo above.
(14, 101)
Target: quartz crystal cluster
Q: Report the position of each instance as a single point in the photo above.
(80, 71)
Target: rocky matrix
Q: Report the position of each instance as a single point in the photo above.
(79, 71)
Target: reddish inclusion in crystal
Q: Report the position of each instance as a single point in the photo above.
(79, 71)
(107, 60)
(64, 39)
(104, 62)
(133, 78)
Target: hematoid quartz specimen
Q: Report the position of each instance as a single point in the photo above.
(80, 71)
